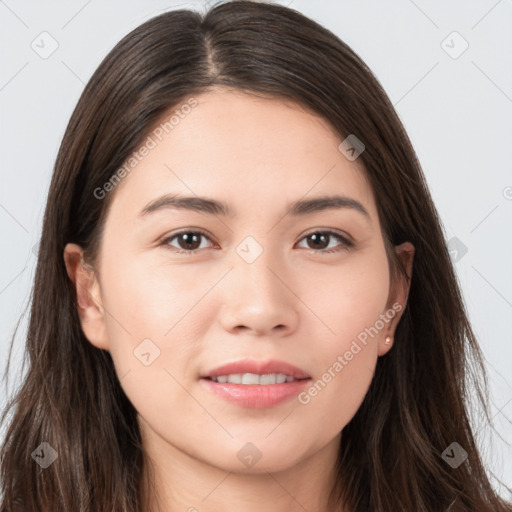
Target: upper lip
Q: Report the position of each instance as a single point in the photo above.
(257, 367)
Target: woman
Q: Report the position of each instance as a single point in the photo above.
(187, 354)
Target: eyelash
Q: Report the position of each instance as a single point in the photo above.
(346, 243)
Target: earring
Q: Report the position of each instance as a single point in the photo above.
(388, 340)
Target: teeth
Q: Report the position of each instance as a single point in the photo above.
(250, 378)
(268, 379)
(253, 378)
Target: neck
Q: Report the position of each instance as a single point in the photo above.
(180, 482)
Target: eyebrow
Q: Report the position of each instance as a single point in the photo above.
(215, 207)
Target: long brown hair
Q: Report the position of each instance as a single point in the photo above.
(390, 452)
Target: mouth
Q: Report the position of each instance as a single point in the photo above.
(254, 379)
(246, 371)
(256, 384)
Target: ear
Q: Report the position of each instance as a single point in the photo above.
(398, 294)
(90, 306)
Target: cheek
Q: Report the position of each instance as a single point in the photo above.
(348, 298)
(351, 305)
(144, 300)
(150, 336)
(156, 314)
(334, 396)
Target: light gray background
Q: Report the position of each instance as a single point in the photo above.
(457, 112)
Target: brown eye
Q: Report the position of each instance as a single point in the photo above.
(188, 241)
(320, 240)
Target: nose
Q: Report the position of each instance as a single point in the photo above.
(259, 298)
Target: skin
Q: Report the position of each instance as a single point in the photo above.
(292, 303)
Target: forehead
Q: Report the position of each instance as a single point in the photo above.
(243, 149)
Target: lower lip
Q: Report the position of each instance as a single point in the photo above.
(256, 396)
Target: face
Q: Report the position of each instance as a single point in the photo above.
(302, 286)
